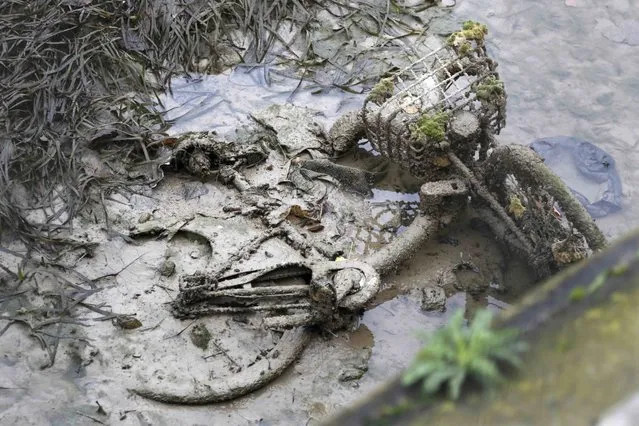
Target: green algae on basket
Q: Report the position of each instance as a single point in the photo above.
(471, 31)
(431, 127)
(382, 91)
(490, 90)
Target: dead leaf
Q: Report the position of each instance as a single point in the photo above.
(441, 161)
(411, 105)
(127, 322)
(299, 212)
(170, 142)
(411, 109)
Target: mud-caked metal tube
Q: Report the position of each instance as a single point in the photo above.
(271, 366)
(346, 131)
(443, 197)
(437, 200)
(402, 248)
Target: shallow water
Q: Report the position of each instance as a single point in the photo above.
(570, 70)
(222, 102)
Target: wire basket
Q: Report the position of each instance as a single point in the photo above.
(408, 116)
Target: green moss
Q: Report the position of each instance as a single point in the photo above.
(490, 89)
(516, 208)
(598, 282)
(430, 127)
(390, 411)
(382, 91)
(619, 269)
(464, 48)
(471, 31)
(577, 294)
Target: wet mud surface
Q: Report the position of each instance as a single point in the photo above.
(108, 360)
(99, 360)
(582, 77)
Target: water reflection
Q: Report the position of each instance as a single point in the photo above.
(223, 102)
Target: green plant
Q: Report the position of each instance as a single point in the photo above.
(580, 292)
(516, 208)
(382, 91)
(491, 89)
(471, 31)
(431, 127)
(458, 353)
(21, 275)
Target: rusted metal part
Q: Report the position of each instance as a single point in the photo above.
(329, 294)
(327, 287)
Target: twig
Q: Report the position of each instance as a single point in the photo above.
(114, 274)
(220, 348)
(212, 355)
(246, 250)
(153, 327)
(90, 417)
(181, 331)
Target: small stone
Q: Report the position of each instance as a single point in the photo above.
(195, 254)
(356, 366)
(203, 65)
(434, 299)
(127, 322)
(144, 217)
(168, 268)
(351, 373)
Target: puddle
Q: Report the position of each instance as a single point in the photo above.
(223, 102)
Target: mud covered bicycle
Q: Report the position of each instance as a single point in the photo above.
(438, 119)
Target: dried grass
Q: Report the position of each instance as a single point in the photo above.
(68, 72)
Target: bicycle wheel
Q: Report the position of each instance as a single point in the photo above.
(552, 226)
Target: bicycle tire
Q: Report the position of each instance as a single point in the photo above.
(557, 228)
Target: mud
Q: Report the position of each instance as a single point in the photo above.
(97, 363)
(100, 362)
